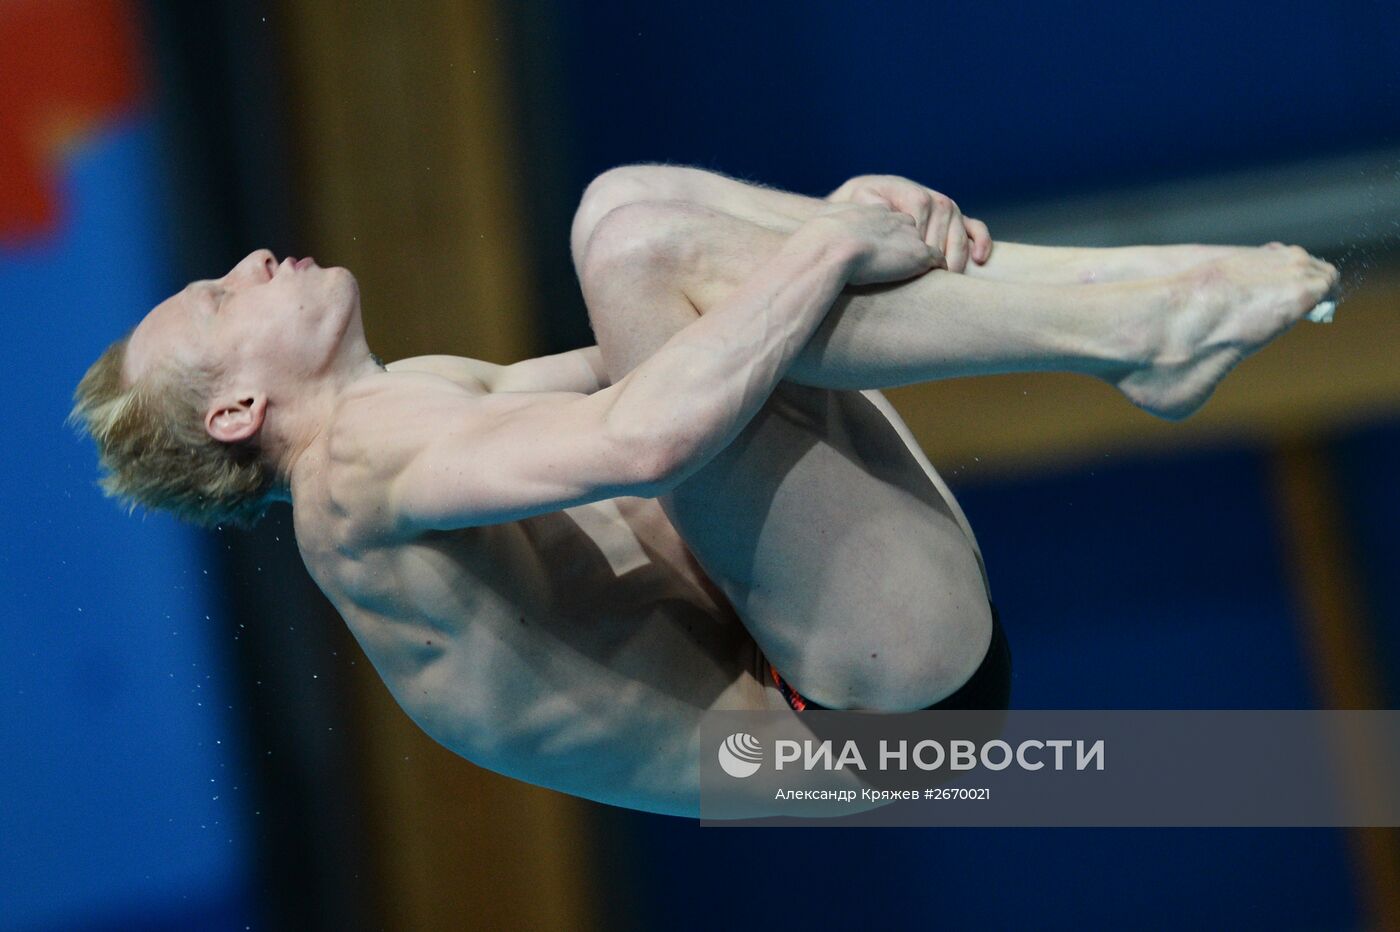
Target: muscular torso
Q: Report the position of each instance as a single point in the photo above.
(575, 650)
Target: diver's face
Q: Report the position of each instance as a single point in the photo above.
(263, 321)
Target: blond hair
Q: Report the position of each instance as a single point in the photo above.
(154, 451)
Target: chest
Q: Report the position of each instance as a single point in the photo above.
(584, 578)
(496, 639)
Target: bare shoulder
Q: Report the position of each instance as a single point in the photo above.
(377, 429)
(471, 374)
(382, 426)
(579, 370)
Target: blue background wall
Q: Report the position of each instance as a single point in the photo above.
(988, 102)
(122, 797)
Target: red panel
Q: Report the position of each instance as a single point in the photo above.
(66, 66)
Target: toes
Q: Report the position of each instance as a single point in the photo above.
(1334, 277)
(1300, 255)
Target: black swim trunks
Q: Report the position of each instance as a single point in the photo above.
(989, 687)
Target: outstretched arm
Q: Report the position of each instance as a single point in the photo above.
(509, 457)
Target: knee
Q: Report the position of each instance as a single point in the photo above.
(636, 240)
(614, 188)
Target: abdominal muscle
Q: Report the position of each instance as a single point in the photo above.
(576, 650)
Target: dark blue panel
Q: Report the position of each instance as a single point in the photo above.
(1367, 465)
(1144, 584)
(986, 101)
(988, 879)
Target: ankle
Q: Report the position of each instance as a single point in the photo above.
(1133, 331)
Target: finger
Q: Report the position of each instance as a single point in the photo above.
(957, 246)
(942, 216)
(872, 198)
(936, 258)
(981, 239)
(918, 205)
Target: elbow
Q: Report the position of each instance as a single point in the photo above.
(653, 462)
(661, 465)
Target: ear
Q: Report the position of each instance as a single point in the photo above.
(235, 418)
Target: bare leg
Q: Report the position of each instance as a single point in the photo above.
(1164, 341)
(848, 567)
(783, 212)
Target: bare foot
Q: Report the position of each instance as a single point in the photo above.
(1172, 260)
(1224, 310)
(1133, 263)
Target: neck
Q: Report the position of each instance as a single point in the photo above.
(301, 421)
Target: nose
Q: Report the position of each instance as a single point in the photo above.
(257, 266)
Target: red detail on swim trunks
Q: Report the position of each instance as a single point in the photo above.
(65, 66)
(793, 697)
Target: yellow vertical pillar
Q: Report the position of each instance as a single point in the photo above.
(1335, 633)
(407, 168)
(403, 123)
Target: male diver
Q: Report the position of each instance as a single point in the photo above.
(558, 566)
